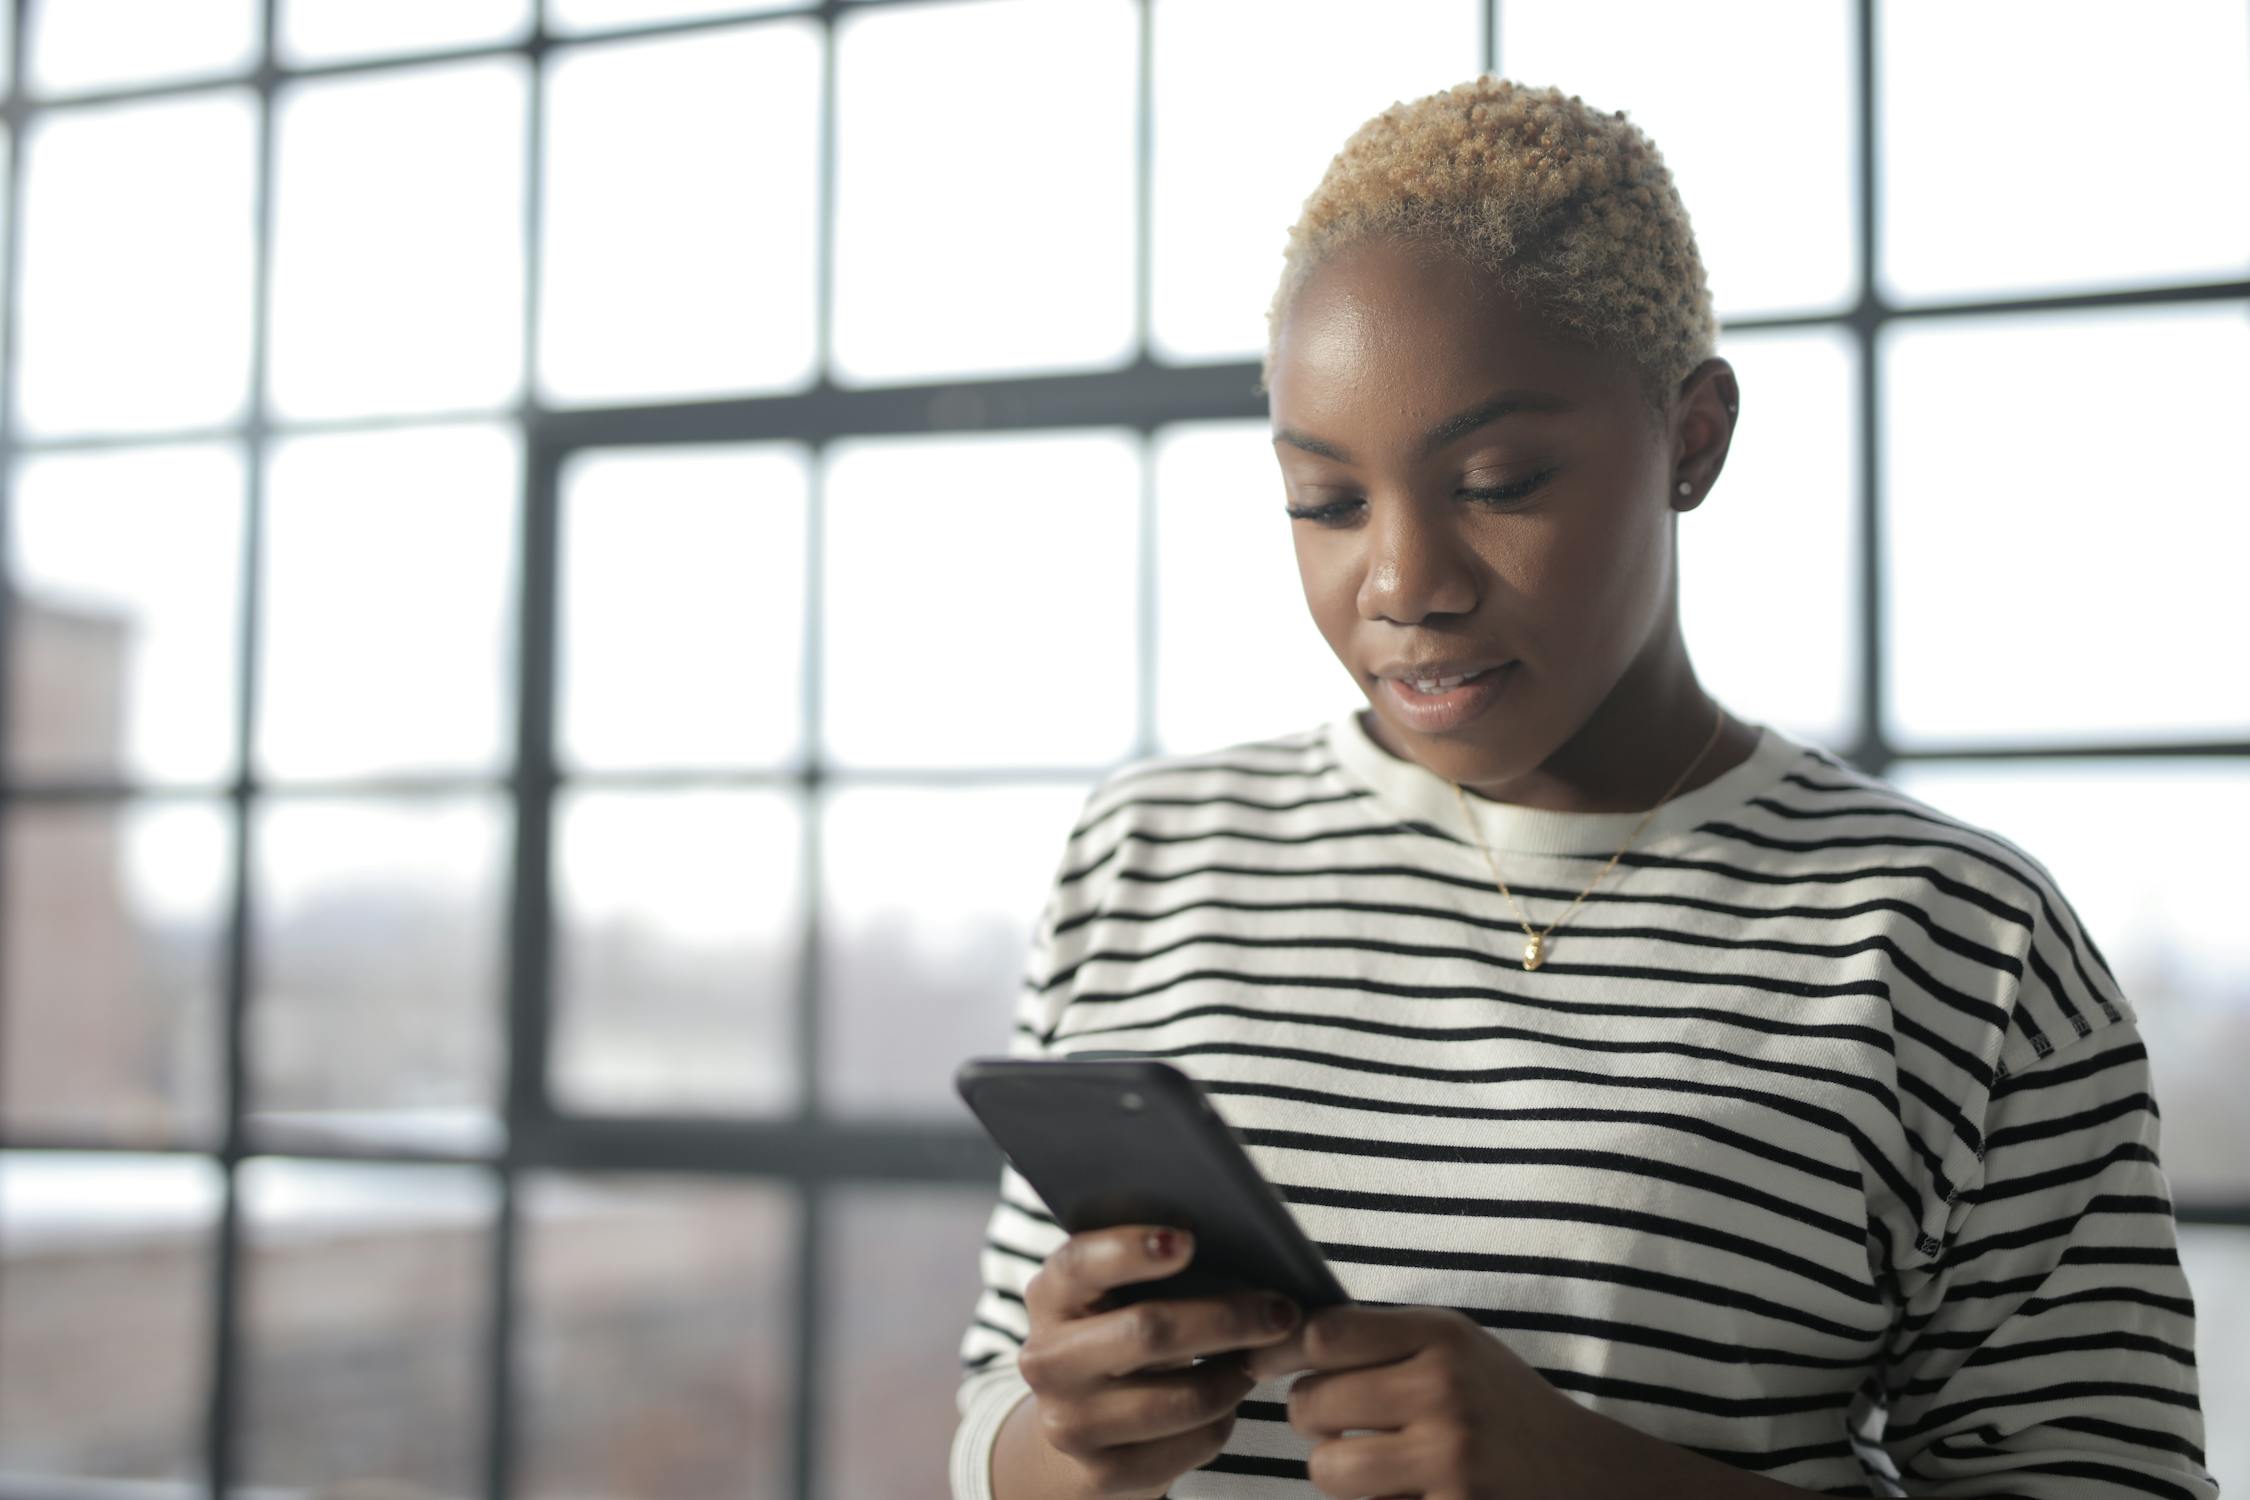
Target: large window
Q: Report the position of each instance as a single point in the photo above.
(566, 573)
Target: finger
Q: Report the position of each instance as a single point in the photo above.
(1145, 1408)
(1076, 1356)
(1156, 1465)
(1329, 1403)
(1082, 1268)
(1350, 1334)
(1165, 1331)
(1385, 1463)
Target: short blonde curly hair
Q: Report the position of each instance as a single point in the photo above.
(1569, 208)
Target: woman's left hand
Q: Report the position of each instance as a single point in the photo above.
(1457, 1415)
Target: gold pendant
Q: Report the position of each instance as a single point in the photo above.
(1531, 958)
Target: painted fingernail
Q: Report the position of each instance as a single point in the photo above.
(1163, 1244)
(1280, 1313)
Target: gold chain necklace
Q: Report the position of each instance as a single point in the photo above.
(1534, 951)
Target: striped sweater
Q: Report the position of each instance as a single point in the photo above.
(1823, 1142)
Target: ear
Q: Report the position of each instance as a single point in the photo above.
(1703, 418)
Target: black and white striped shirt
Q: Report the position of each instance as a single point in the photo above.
(1822, 1142)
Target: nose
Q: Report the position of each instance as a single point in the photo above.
(1416, 564)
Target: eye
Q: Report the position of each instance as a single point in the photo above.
(1511, 492)
(1336, 510)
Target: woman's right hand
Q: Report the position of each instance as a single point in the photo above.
(1117, 1390)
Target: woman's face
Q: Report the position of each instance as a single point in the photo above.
(1402, 382)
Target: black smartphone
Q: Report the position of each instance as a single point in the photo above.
(1134, 1141)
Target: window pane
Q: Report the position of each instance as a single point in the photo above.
(2217, 1262)
(677, 917)
(596, 15)
(1252, 97)
(979, 599)
(105, 1287)
(682, 188)
(2017, 213)
(929, 897)
(359, 525)
(998, 136)
(655, 1356)
(695, 558)
(903, 1267)
(2008, 508)
(1226, 570)
(2129, 845)
(366, 1321)
(320, 31)
(8, 188)
(1700, 86)
(138, 227)
(125, 655)
(398, 243)
(378, 972)
(114, 923)
(1777, 538)
(75, 45)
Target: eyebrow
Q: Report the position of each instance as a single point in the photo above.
(1448, 431)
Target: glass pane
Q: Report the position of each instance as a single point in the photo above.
(398, 244)
(114, 919)
(8, 187)
(654, 283)
(1226, 570)
(2007, 509)
(1699, 90)
(597, 15)
(659, 1319)
(1777, 538)
(106, 1268)
(2217, 1262)
(1252, 97)
(320, 31)
(677, 919)
(366, 1327)
(2015, 76)
(125, 654)
(376, 1012)
(947, 564)
(929, 897)
(2129, 845)
(138, 226)
(357, 523)
(693, 557)
(902, 1266)
(1020, 250)
(75, 45)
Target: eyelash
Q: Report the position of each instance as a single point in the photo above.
(1332, 512)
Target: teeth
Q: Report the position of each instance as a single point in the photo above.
(1441, 684)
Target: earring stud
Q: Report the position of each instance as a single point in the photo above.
(1685, 487)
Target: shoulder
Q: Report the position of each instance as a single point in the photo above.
(1985, 967)
(1153, 815)
(1245, 784)
(1977, 910)
(1240, 771)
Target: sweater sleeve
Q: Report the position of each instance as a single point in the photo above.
(1021, 1232)
(2050, 1353)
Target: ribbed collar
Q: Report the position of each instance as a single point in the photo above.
(1418, 794)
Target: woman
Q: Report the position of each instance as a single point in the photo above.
(1687, 1112)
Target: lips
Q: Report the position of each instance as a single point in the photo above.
(1450, 708)
(1427, 671)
